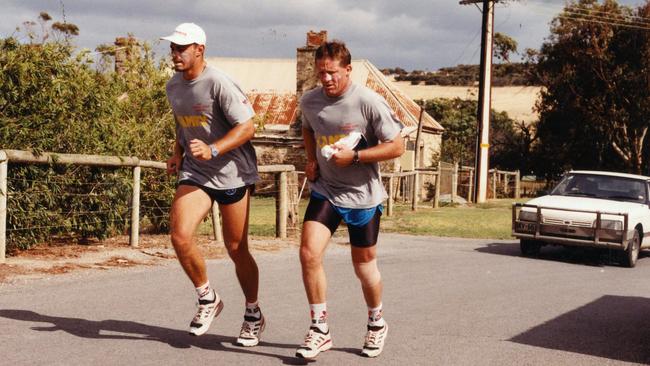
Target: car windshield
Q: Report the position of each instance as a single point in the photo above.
(602, 186)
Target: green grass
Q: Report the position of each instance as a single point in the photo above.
(490, 220)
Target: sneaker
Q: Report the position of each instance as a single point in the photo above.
(374, 342)
(251, 330)
(315, 343)
(208, 310)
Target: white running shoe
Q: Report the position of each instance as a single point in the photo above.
(315, 343)
(251, 330)
(375, 339)
(207, 311)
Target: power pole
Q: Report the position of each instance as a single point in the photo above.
(484, 101)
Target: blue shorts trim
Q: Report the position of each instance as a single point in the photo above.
(353, 216)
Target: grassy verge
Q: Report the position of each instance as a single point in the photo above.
(489, 220)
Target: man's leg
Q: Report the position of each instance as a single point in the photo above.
(235, 236)
(313, 243)
(188, 209)
(320, 221)
(364, 259)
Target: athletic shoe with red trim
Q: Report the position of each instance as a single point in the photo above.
(374, 342)
(251, 330)
(206, 312)
(315, 342)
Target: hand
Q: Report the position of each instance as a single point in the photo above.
(200, 150)
(174, 164)
(343, 158)
(311, 170)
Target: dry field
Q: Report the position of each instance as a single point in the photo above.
(518, 101)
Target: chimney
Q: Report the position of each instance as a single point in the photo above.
(305, 75)
(305, 69)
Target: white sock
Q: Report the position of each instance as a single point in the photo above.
(205, 292)
(376, 316)
(253, 310)
(319, 316)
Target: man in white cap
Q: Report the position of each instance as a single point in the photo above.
(215, 161)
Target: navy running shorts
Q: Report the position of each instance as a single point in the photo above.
(221, 196)
(322, 210)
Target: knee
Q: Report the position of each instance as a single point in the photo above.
(182, 243)
(368, 273)
(309, 258)
(237, 251)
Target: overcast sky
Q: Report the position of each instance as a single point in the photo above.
(412, 34)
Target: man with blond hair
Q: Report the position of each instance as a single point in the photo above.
(347, 130)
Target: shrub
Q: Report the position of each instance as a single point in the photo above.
(52, 99)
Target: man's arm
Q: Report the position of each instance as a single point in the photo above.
(385, 151)
(311, 168)
(237, 136)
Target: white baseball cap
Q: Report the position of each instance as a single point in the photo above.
(187, 33)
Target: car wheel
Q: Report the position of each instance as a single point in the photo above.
(631, 254)
(529, 248)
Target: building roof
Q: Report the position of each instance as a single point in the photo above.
(270, 84)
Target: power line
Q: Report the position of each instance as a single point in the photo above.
(604, 22)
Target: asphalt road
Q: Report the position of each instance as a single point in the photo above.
(448, 302)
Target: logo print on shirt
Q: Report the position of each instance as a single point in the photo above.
(230, 192)
(192, 121)
(200, 108)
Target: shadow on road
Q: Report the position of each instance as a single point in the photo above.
(120, 329)
(613, 327)
(576, 255)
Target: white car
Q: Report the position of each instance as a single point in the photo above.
(588, 208)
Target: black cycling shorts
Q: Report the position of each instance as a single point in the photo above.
(323, 211)
(221, 196)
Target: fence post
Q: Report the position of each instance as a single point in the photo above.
(135, 208)
(4, 166)
(494, 183)
(216, 223)
(517, 184)
(391, 193)
(416, 190)
(470, 191)
(506, 178)
(436, 196)
(454, 183)
(281, 206)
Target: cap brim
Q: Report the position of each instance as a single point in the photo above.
(177, 40)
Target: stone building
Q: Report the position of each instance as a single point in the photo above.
(274, 87)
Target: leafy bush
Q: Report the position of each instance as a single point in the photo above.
(53, 99)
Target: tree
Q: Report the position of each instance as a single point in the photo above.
(510, 141)
(504, 46)
(52, 99)
(595, 101)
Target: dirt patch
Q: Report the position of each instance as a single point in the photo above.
(60, 257)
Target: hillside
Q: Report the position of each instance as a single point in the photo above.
(506, 74)
(518, 101)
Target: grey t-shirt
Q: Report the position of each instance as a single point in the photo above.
(206, 108)
(358, 109)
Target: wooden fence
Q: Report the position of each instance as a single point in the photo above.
(19, 156)
(449, 179)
